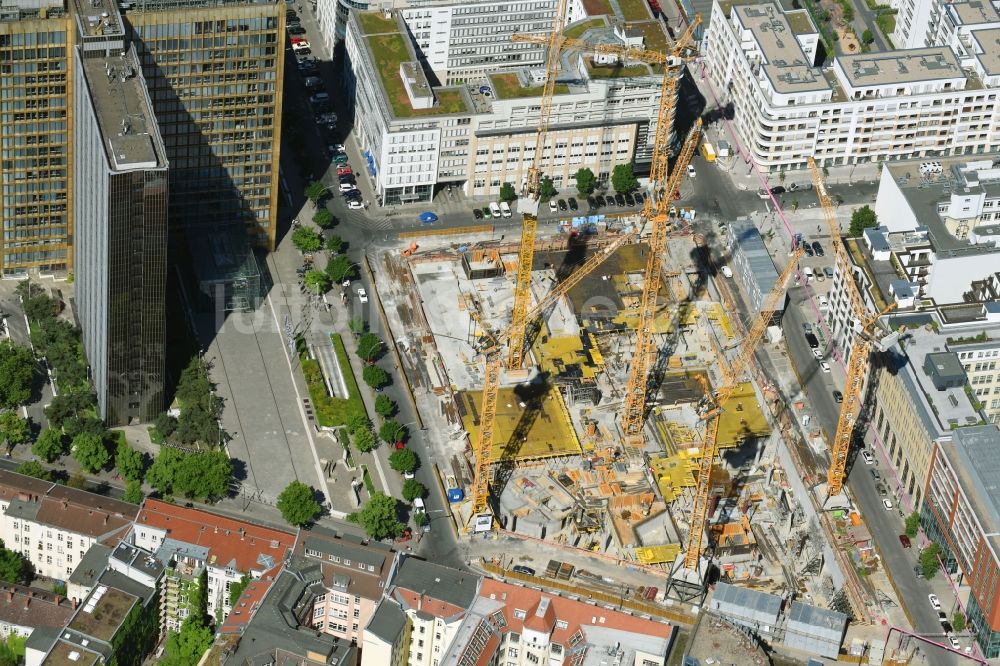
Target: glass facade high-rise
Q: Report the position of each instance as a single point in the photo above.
(35, 137)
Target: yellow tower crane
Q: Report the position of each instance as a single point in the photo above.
(661, 148)
(731, 373)
(859, 356)
(532, 189)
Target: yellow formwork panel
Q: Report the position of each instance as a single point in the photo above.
(675, 472)
(663, 554)
(741, 418)
(560, 351)
(719, 316)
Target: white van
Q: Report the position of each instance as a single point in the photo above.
(808, 272)
(495, 210)
(505, 209)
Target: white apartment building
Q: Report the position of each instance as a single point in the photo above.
(922, 23)
(860, 108)
(189, 540)
(54, 526)
(475, 137)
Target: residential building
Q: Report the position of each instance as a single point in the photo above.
(35, 136)
(523, 626)
(120, 223)
(962, 515)
(355, 575)
(928, 22)
(24, 609)
(190, 541)
(752, 265)
(423, 611)
(117, 622)
(419, 136)
(55, 525)
(279, 629)
(860, 108)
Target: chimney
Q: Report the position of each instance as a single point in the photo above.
(58, 600)
(75, 603)
(10, 596)
(106, 519)
(242, 533)
(27, 599)
(65, 505)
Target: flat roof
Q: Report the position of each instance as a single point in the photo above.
(974, 12)
(98, 17)
(988, 54)
(904, 66)
(751, 243)
(128, 127)
(103, 612)
(977, 465)
(786, 65)
(752, 600)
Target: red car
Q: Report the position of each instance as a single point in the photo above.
(344, 170)
(298, 40)
(400, 445)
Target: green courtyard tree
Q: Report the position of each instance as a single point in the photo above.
(392, 431)
(306, 239)
(403, 460)
(236, 589)
(912, 524)
(334, 243)
(507, 192)
(317, 282)
(131, 464)
(91, 451)
(412, 489)
(867, 37)
(339, 268)
(297, 504)
(204, 475)
(315, 191)
(370, 347)
(187, 646)
(384, 406)
(133, 492)
(357, 325)
(363, 440)
(929, 560)
(14, 430)
(323, 218)
(586, 181)
(375, 376)
(17, 371)
(958, 621)
(35, 469)
(50, 445)
(861, 219)
(15, 567)
(379, 517)
(165, 424)
(546, 188)
(623, 179)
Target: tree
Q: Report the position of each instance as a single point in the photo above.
(384, 406)
(547, 189)
(335, 243)
(929, 560)
(297, 504)
(315, 191)
(186, 647)
(15, 567)
(17, 372)
(133, 492)
(392, 431)
(403, 460)
(507, 192)
(13, 429)
(378, 517)
(912, 524)
(165, 424)
(867, 37)
(35, 469)
(12, 649)
(356, 422)
(91, 451)
(861, 219)
(131, 464)
(370, 347)
(50, 445)
(339, 268)
(958, 621)
(36, 303)
(420, 518)
(78, 481)
(375, 376)
(317, 282)
(363, 440)
(412, 489)
(357, 325)
(323, 218)
(70, 411)
(236, 589)
(203, 475)
(586, 181)
(623, 179)
(306, 239)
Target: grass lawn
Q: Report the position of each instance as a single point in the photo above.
(373, 23)
(654, 39)
(369, 484)
(330, 411)
(615, 71)
(577, 29)
(597, 7)
(506, 86)
(886, 23)
(634, 10)
(389, 52)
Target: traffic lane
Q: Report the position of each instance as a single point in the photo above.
(716, 195)
(824, 410)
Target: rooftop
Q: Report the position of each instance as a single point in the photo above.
(508, 85)
(129, 130)
(91, 566)
(29, 607)
(973, 12)
(828, 621)
(786, 64)
(103, 612)
(973, 456)
(387, 622)
(897, 67)
(435, 589)
(98, 18)
(745, 234)
(752, 600)
(68, 654)
(988, 53)
(243, 545)
(370, 562)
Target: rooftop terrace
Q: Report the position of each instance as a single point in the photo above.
(103, 612)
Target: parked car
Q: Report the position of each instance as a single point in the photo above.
(505, 209)
(362, 295)
(639, 199)
(828, 271)
(818, 249)
(904, 541)
(521, 569)
(486, 212)
(599, 200)
(918, 571)
(553, 207)
(807, 249)
(887, 504)
(807, 327)
(935, 602)
(312, 82)
(726, 271)
(629, 200)
(495, 209)
(352, 193)
(823, 302)
(296, 30)
(876, 475)
(869, 458)
(340, 159)
(319, 99)
(476, 213)
(592, 203)
(691, 171)
(778, 190)
(838, 397)
(562, 205)
(620, 200)
(824, 366)
(609, 201)
(954, 643)
(812, 340)
(355, 204)
(572, 204)
(348, 185)
(344, 169)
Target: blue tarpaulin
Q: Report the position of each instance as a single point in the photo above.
(427, 217)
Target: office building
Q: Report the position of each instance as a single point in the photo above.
(189, 541)
(419, 136)
(120, 221)
(961, 514)
(859, 108)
